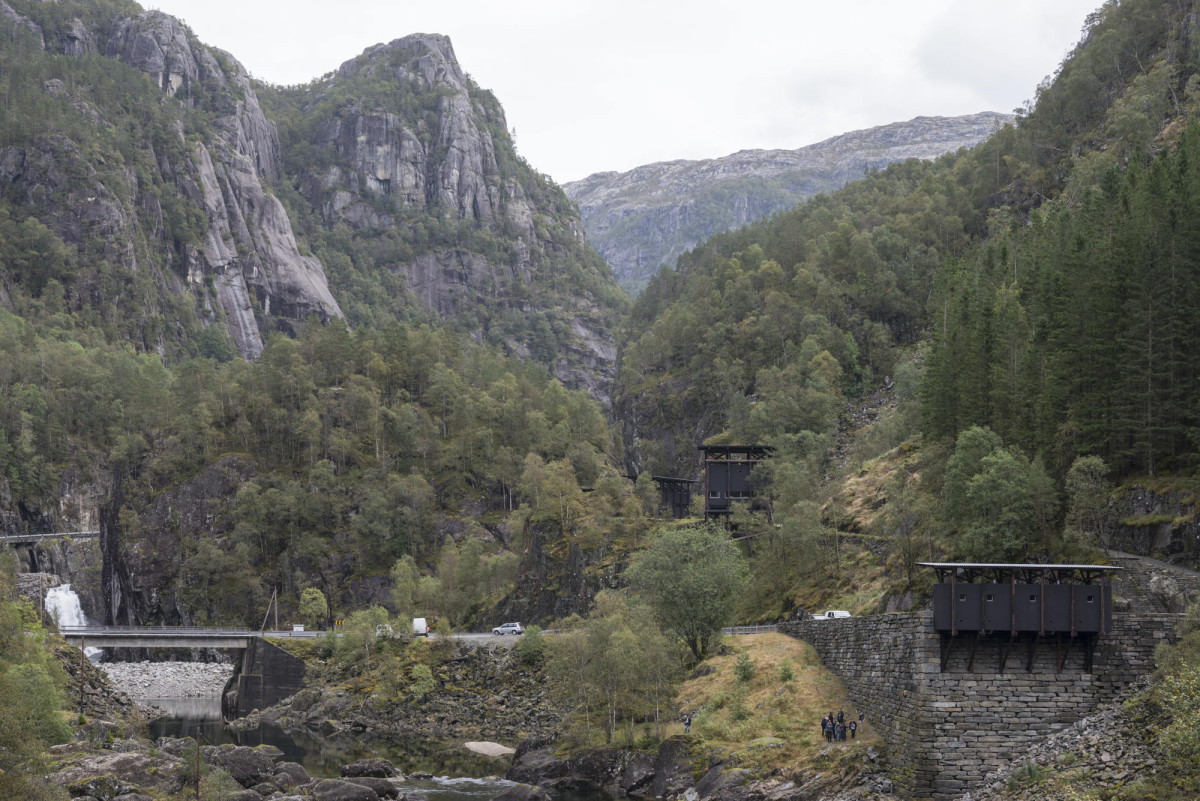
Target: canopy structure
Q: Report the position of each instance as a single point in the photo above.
(1000, 573)
(1005, 603)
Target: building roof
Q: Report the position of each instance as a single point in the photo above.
(1023, 566)
(675, 480)
(736, 448)
(1027, 573)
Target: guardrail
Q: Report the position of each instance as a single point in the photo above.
(222, 630)
(735, 630)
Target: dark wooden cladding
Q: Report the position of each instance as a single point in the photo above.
(1022, 608)
(675, 494)
(727, 470)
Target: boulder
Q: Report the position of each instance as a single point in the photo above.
(382, 787)
(243, 795)
(137, 771)
(104, 788)
(247, 766)
(293, 770)
(340, 790)
(723, 785)
(674, 768)
(522, 792)
(376, 768)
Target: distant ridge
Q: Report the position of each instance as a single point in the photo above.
(646, 217)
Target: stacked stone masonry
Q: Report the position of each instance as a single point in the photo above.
(947, 730)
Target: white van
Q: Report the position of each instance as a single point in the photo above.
(832, 614)
(420, 627)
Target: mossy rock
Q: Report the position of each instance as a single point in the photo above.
(103, 787)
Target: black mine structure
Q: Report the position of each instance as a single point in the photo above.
(727, 471)
(1021, 604)
(675, 494)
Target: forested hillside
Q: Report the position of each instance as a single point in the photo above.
(1028, 305)
(263, 353)
(1035, 296)
(339, 345)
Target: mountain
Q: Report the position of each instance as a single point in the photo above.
(645, 218)
(188, 209)
(350, 299)
(144, 161)
(409, 187)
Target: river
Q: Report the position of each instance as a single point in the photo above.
(457, 774)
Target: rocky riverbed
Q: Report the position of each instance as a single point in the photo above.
(168, 679)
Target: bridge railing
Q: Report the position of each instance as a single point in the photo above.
(734, 630)
(181, 631)
(163, 630)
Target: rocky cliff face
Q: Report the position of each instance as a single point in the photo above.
(1147, 522)
(400, 143)
(645, 218)
(186, 211)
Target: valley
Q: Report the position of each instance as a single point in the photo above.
(301, 364)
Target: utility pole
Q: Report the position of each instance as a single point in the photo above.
(274, 602)
(197, 765)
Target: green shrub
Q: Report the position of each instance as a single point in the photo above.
(531, 649)
(423, 682)
(744, 668)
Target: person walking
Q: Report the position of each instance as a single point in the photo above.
(824, 728)
(687, 724)
(853, 729)
(841, 718)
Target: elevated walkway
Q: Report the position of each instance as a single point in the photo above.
(30, 539)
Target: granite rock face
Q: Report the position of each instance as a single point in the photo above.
(645, 218)
(239, 263)
(410, 147)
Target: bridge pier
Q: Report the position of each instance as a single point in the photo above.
(265, 676)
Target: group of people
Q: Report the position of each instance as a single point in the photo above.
(835, 729)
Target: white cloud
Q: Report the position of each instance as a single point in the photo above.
(596, 85)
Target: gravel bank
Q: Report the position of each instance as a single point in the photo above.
(168, 679)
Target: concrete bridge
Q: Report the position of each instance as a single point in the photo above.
(171, 636)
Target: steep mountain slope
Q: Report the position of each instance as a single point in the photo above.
(154, 227)
(404, 169)
(143, 161)
(173, 217)
(645, 218)
(1057, 259)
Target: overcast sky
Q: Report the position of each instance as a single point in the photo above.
(592, 85)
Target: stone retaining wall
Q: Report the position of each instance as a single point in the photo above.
(947, 730)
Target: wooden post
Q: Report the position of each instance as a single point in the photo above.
(82, 660)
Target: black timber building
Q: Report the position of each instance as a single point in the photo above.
(727, 471)
(1051, 604)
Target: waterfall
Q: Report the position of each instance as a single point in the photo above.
(63, 605)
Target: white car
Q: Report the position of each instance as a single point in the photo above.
(508, 628)
(832, 614)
